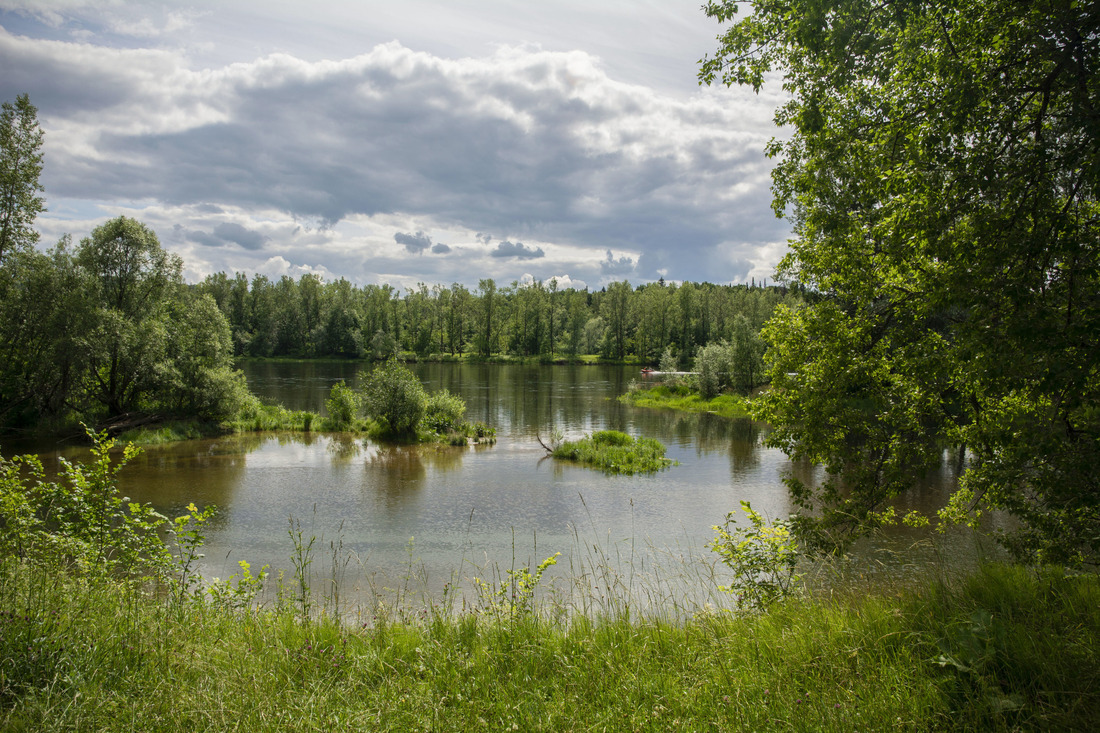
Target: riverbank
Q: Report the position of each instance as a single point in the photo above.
(1006, 649)
(685, 399)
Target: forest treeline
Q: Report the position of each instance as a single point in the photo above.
(310, 317)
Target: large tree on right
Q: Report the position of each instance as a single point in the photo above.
(941, 177)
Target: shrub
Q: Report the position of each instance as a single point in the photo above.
(615, 452)
(343, 405)
(444, 412)
(762, 558)
(395, 397)
(80, 522)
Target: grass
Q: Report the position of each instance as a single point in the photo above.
(615, 452)
(1009, 648)
(683, 398)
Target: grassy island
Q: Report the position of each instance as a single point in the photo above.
(614, 452)
(683, 398)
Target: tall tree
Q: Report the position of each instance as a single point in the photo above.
(20, 166)
(942, 179)
(131, 279)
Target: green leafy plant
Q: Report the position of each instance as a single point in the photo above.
(80, 522)
(188, 532)
(240, 594)
(444, 412)
(514, 595)
(763, 558)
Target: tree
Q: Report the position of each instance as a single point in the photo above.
(131, 280)
(942, 180)
(20, 166)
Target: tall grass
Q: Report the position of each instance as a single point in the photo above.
(1008, 648)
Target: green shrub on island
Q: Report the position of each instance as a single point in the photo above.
(615, 452)
(444, 412)
(395, 398)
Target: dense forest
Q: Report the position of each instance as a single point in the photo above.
(310, 317)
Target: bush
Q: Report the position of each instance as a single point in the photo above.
(343, 405)
(444, 412)
(395, 397)
(79, 523)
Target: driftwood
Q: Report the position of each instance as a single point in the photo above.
(544, 445)
(127, 421)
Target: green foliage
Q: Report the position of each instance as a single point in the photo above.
(682, 397)
(343, 405)
(763, 558)
(20, 166)
(712, 364)
(444, 412)
(614, 452)
(256, 416)
(394, 396)
(941, 180)
(79, 522)
(668, 362)
(189, 534)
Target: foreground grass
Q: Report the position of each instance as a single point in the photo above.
(686, 400)
(614, 452)
(1008, 649)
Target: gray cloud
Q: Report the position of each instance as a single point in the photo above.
(440, 249)
(414, 243)
(524, 141)
(517, 249)
(228, 233)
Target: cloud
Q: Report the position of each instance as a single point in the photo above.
(229, 233)
(622, 266)
(524, 140)
(414, 243)
(440, 249)
(565, 282)
(517, 249)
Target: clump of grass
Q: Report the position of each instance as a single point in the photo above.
(683, 398)
(615, 452)
(256, 416)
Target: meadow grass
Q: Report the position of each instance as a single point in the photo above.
(1007, 648)
(686, 400)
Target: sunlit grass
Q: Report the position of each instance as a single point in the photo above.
(686, 400)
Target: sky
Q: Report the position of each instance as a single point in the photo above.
(401, 142)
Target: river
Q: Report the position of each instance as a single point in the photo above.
(386, 518)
